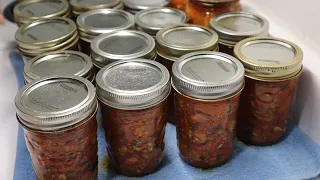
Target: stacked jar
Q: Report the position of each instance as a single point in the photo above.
(31, 10)
(201, 11)
(153, 19)
(58, 115)
(67, 63)
(176, 41)
(132, 95)
(134, 6)
(236, 26)
(81, 6)
(47, 35)
(207, 93)
(272, 69)
(122, 45)
(101, 21)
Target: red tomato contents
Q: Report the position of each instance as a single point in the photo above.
(201, 13)
(179, 4)
(66, 154)
(264, 111)
(205, 130)
(135, 138)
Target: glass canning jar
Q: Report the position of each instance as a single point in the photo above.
(236, 26)
(46, 35)
(28, 11)
(69, 63)
(134, 6)
(272, 68)
(201, 11)
(81, 6)
(176, 41)
(58, 115)
(179, 4)
(101, 21)
(207, 94)
(153, 19)
(132, 95)
(122, 45)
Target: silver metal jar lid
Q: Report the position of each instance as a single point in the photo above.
(236, 26)
(143, 4)
(86, 5)
(30, 10)
(153, 19)
(207, 75)
(133, 84)
(45, 33)
(179, 40)
(55, 103)
(69, 63)
(121, 45)
(100, 21)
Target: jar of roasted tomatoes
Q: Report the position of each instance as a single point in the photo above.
(179, 4)
(176, 41)
(201, 11)
(154, 19)
(101, 21)
(122, 45)
(236, 26)
(58, 115)
(70, 63)
(207, 93)
(46, 35)
(272, 68)
(132, 96)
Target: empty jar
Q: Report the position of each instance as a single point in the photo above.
(47, 35)
(176, 41)
(207, 94)
(132, 96)
(272, 69)
(28, 11)
(101, 21)
(58, 115)
(81, 6)
(134, 6)
(67, 63)
(236, 26)
(153, 19)
(201, 11)
(122, 45)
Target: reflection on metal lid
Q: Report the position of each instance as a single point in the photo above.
(153, 19)
(54, 103)
(207, 75)
(133, 84)
(143, 4)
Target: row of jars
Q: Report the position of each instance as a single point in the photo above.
(199, 11)
(216, 96)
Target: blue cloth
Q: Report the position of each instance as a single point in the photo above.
(296, 157)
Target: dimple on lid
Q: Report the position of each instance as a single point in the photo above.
(133, 84)
(269, 58)
(102, 21)
(45, 33)
(179, 40)
(207, 75)
(153, 19)
(31, 10)
(143, 4)
(69, 63)
(86, 5)
(121, 45)
(236, 26)
(55, 103)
